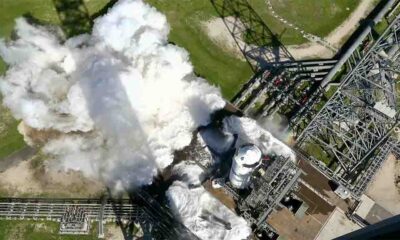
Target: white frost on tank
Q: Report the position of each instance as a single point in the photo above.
(245, 161)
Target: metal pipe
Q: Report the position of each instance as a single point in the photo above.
(356, 43)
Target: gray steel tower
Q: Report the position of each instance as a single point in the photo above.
(353, 131)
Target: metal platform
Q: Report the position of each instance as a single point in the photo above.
(271, 182)
(156, 223)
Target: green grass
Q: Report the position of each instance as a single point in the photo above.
(284, 34)
(29, 230)
(317, 152)
(10, 139)
(332, 89)
(185, 17)
(42, 10)
(11, 9)
(318, 17)
(381, 26)
(209, 60)
(220, 67)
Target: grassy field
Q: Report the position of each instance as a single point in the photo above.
(285, 35)
(29, 230)
(209, 61)
(10, 139)
(43, 10)
(319, 17)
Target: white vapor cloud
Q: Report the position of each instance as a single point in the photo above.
(121, 101)
(249, 131)
(200, 211)
(123, 97)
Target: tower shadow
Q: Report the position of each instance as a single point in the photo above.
(74, 17)
(259, 45)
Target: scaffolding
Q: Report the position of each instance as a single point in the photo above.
(354, 128)
(270, 184)
(75, 220)
(76, 215)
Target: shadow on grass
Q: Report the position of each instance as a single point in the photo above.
(259, 45)
(104, 10)
(74, 17)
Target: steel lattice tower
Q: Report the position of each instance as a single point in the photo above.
(354, 127)
(280, 84)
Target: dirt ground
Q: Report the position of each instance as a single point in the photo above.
(292, 228)
(114, 232)
(13, 159)
(221, 195)
(219, 34)
(24, 179)
(383, 189)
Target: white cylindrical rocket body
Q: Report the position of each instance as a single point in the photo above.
(245, 161)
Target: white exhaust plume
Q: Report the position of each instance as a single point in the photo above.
(124, 98)
(249, 131)
(199, 211)
(118, 103)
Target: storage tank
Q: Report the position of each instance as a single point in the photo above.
(245, 160)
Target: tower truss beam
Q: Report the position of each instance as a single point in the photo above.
(357, 122)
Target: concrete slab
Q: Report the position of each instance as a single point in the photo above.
(377, 214)
(364, 207)
(291, 228)
(337, 225)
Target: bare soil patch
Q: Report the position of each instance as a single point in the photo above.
(27, 179)
(383, 189)
(218, 32)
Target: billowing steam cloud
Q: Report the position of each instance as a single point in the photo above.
(249, 131)
(199, 211)
(117, 103)
(123, 97)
